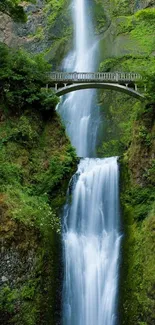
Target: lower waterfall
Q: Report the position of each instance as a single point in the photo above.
(91, 244)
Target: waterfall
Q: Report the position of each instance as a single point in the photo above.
(91, 234)
(77, 110)
(91, 240)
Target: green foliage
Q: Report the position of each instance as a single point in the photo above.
(31, 210)
(9, 173)
(13, 9)
(137, 270)
(129, 130)
(144, 64)
(24, 299)
(34, 150)
(144, 136)
(54, 7)
(149, 174)
(119, 116)
(32, 168)
(121, 113)
(100, 20)
(59, 30)
(38, 34)
(147, 15)
(125, 25)
(111, 148)
(149, 80)
(58, 168)
(7, 299)
(141, 200)
(120, 7)
(21, 81)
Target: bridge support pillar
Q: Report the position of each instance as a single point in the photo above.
(56, 87)
(65, 85)
(117, 77)
(136, 87)
(126, 85)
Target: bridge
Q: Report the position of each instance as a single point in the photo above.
(65, 82)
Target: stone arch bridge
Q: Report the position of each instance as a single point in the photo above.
(66, 82)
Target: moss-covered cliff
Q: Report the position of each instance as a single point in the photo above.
(36, 163)
(138, 211)
(129, 131)
(48, 29)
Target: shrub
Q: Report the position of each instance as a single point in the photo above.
(22, 78)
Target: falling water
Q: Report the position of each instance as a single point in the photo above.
(77, 110)
(91, 241)
(91, 222)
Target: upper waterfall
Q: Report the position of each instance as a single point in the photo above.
(77, 108)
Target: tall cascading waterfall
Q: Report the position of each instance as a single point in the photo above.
(91, 234)
(77, 110)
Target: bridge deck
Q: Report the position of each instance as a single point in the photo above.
(75, 77)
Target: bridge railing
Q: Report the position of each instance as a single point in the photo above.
(94, 76)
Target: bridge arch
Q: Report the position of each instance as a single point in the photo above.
(111, 86)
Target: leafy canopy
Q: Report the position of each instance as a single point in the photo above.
(13, 9)
(22, 81)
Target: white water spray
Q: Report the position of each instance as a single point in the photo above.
(92, 240)
(78, 108)
(91, 222)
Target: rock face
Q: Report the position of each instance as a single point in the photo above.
(6, 26)
(30, 252)
(48, 30)
(140, 4)
(15, 34)
(114, 42)
(127, 46)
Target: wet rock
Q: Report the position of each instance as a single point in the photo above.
(4, 279)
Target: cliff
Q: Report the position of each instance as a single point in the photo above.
(128, 130)
(37, 162)
(48, 29)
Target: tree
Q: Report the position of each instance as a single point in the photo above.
(23, 78)
(13, 9)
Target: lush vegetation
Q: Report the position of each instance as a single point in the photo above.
(124, 111)
(129, 131)
(36, 163)
(59, 30)
(22, 81)
(14, 9)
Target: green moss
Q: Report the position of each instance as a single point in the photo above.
(31, 180)
(25, 298)
(100, 19)
(140, 28)
(125, 25)
(137, 270)
(54, 7)
(128, 131)
(59, 30)
(128, 33)
(36, 164)
(38, 34)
